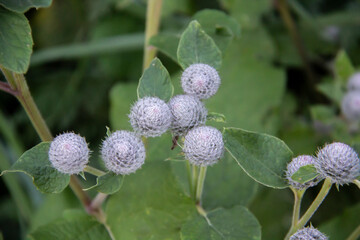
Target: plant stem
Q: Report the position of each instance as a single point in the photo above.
(153, 15)
(200, 184)
(355, 234)
(195, 175)
(313, 207)
(298, 194)
(295, 36)
(98, 200)
(94, 171)
(188, 168)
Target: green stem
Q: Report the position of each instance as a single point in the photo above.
(94, 171)
(355, 234)
(200, 184)
(314, 206)
(188, 168)
(153, 15)
(195, 175)
(357, 183)
(298, 194)
(107, 45)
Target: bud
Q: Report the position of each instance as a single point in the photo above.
(187, 112)
(339, 162)
(294, 166)
(203, 146)
(200, 80)
(69, 153)
(123, 152)
(150, 117)
(308, 233)
(350, 106)
(354, 82)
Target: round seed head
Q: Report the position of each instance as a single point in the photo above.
(339, 162)
(294, 166)
(200, 80)
(69, 153)
(350, 106)
(187, 112)
(308, 233)
(203, 146)
(354, 82)
(150, 117)
(123, 152)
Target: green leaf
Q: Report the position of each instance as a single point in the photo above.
(167, 43)
(230, 224)
(15, 41)
(109, 183)
(155, 82)
(217, 117)
(150, 205)
(219, 26)
(21, 6)
(196, 46)
(261, 156)
(305, 174)
(36, 164)
(333, 90)
(343, 67)
(340, 227)
(74, 225)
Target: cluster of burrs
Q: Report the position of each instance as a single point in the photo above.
(123, 152)
(308, 233)
(350, 105)
(336, 161)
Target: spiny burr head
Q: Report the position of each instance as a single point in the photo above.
(308, 233)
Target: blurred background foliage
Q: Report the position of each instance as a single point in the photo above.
(85, 68)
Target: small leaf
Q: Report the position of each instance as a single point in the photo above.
(167, 43)
(230, 224)
(343, 67)
(109, 183)
(305, 174)
(155, 82)
(36, 164)
(217, 117)
(74, 225)
(196, 46)
(261, 156)
(15, 41)
(331, 89)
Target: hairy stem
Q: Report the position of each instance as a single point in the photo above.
(94, 171)
(295, 36)
(298, 194)
(355, 234)
(195, 176)
(188, 168)
(153, 14)
(200, 184)
(313, 207)
(98, 200)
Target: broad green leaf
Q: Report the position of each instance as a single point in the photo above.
(305, 174)
(217, 117)
(343, 67)
(122, 95)
(109, 183)
(150, 205)
(155, 82)
(167, 43)
(73, 225)
(261, 156)
(15, 41)
(342, 226)
(219, 26)
(195, 46)
(21, 6)
(230, 224)
(36, 164)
